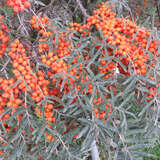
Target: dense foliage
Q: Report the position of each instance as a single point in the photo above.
(66, 89)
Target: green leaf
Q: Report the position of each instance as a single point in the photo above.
(135, 132)
(56, 99)
(126, 100)
(54, 133)
(139, 146)
(52, 146)
(16, 83)
(83, 132)
(41, 133)
(146, 107)
(120, 63)
(101, 35)
(25, 82)
(92, 60)
(131, 86)
(144, 154)
(147, 79)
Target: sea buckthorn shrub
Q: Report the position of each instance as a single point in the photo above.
(92, 82)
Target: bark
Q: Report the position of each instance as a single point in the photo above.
(94, 151)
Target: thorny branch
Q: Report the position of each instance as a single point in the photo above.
(5, 65)
(158, 10)
(82, 8)
(46, 8)
(94, 151)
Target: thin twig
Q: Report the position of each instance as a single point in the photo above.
(82, 8)
(66, 148)
(21, 20)
(158, 10)
(5, 65)
(46, 8)
(25, 105)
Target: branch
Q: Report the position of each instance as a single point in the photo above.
(21, 20)
(158, 10)
(94, 151)
(82, 8)
(46, 8)
(5, 65)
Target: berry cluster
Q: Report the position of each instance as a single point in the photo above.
(101, 114)
(34, 83)
(29, 81)
(4, 38)
(44, 26)
(18, 5)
